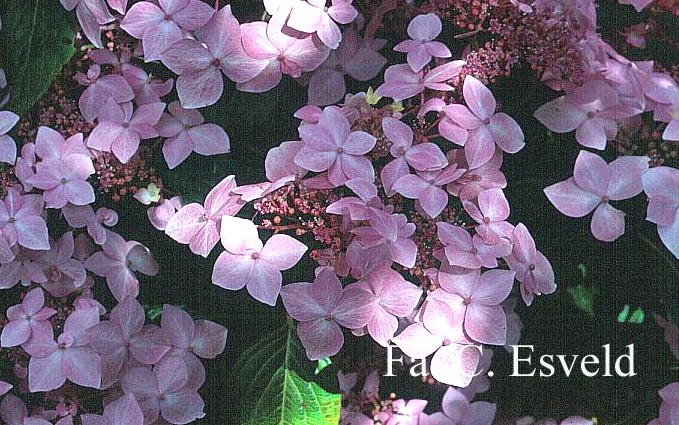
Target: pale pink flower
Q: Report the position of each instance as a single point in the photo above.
(476, 180)
(490, 215)
(248, 262)
(198, 225)
(463, 250)
(401, 82)
(321, 308)
(124, 410)
(21, 221)
(92, 14)
(531, 266)
(311, 16)
(426, 187)
(661, 185)
(100, 89)
(423, 30)
(8, 148)
(64, 180)
(63, 272)
(395, 232)
(30, 319)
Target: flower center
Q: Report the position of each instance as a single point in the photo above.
(187, 127)
(467, 300)
(476, 177)
(63, 180)
(53, 273)
(216, 63)
(486, 220)
(591, 114)
(126, 125)
(254, 255)
(11, 220)
(446, 342)
(340, 150)
(605, 199)
(531, 267)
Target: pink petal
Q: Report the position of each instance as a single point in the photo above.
(506, 133)
(479, 98)
(570, 200)
(200, 89)
(608, 223)
(320, 338)
(626, 177)
(232, 271)
(560, 116)
(592, 173)
(592, 134)
(282, 251)
(455, 364)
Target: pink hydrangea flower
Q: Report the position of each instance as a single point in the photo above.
(356, 57)
(14, 412)
(531, 266)
(396, 297)
(25, 166)
(248, 262)
(198, 225)
(162, 392)
(661, 185)
(395, 232)
(455, 358)
(401, 82)
(92, 14)
(311, 16)
(30, 319)
(422, 157)
(457, 410)
(99, 90)
(22, 269)
(331, 145)
(425, 186)
(490, 215)
(161, 25)
(125, 410)
(287, 52)
(476, 297)
(121, 128)
(476, 180)
(402, 412)
(84, 216)
(593, 185)
(69, 358)
(463, 250)
(124, 340)
(423, 30)
(186, 132)
(591, 110)
(321, 308)
(63, 272)
(8, 148)
(146, 89)
(217, 50)
(485, 127)
(51, 144)
(160, 215)
(190, 340)
(21, 221)
(118, 261)
(280, 161)
(65, 180)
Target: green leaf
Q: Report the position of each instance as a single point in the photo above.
(638, 316)
(583, 298)
(622, 317)
(37, 41)
(322, 364)
(261, 364)
(290, 400)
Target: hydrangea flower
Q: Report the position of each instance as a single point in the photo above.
(63, 272)
(287, 52)
(69, 358)
(8, 148)
(162, 392)
(99, 90)
(191, 339)
(30, 319)
(248, 262)
(92, 14)
(423, 30)
(395, 232)
(84, 216)
(64, 180)
(396, 297)
(531, 266)
(199, 226)
(321, 308)
(490, 215)
(457, 410)
(661, 185)
(475, 298)
(314, 16)
(161, 25)
(476, 180)
(485, 127)
(591, 110)
(21, 221)
(401, 82)
(356, 57)
(146, 89)
(425, 186)
(186, 132)
(124, 340)
(160, 215)
(121, 128)
(118, 261)
(217, 50)
(331, 145)
(463, 250)
(422, 157)
(593, 185)
(22, 269)
(455, 358)
(125, 410)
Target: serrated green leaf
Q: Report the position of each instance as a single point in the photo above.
(37, 41)
(258, 364)
(290, 400)
(322, 364)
